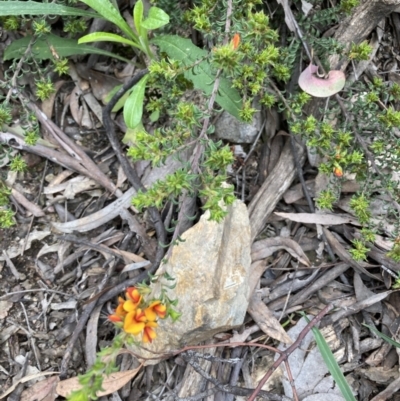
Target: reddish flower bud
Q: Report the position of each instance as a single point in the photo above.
(338, 171)
(235, 41)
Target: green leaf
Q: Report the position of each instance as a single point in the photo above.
(120, 104)
(64, 48)
(133, 109)
(156, 19)
(107, 10)
(202, 74)
(332, 365)
(35, 8)
(130, 134)
(107, 37)
(138, 15)
(383, 336)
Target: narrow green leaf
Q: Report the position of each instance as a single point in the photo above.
(107, 10)
(383, 336)
(133, 109)
(63, 46)
(156, 19)
(138, 15)
(332, 365)
(202, 75)
(107, 37)
(34, 8)
(121, 102)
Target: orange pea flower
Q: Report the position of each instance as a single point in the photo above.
(133, 301)
(155, 309)
(120, 312)
(235, 41)
(135, 322)
(133, 294)
(148, 333)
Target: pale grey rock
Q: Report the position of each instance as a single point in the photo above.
(211, 268)
(229, 128)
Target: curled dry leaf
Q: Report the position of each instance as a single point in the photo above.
(266, 320)
(111, 383)
(266, 247)
(44, 390)
(327, 219)
(24, 380)
(5, 306)
(321, 87)
(16, 250)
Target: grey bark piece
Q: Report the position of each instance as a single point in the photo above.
(281, 177)
(211, 268)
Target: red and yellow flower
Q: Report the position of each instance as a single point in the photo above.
(120, 312)
(137, 319)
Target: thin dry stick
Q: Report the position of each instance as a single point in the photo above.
(18, 69)
(285, 354)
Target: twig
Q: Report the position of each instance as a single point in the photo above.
(10, 294)
(285, 354)
(18, 69)
(242, 391)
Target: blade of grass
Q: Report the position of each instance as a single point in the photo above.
(332, 365)
(383, 336)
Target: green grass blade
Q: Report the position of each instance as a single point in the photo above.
(34, 8)
(332, 365)
(383, 336)
(63, 46)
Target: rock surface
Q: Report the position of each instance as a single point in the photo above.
(212, 269)
(229, 128)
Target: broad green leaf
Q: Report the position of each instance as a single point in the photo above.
(133, 109)
(383, 336)
(64, 48)
(332, 365)
(138, 16)
(202, 75)
(34, 8)
(107, 10)
(156, 19)
(107, 37)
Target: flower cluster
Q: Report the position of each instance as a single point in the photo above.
(136, 316)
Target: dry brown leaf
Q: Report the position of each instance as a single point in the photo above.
(316, 218)
(16, 250)
(74, 107)
(266, 320)
(129, 256)
(24, 380)
(99, 218)
(111, 383)
(44, 390)
(5, 306)
(27, 204)
(48, 104)
(100, 83)
(266, 247)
